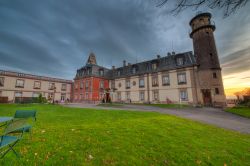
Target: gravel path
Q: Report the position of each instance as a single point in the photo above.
(212, 116)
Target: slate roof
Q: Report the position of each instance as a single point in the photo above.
(165, 63)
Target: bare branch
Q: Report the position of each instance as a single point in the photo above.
(228, 6)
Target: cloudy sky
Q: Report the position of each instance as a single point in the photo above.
(54, 37)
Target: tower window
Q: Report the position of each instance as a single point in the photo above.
(217, 91)
(214, 75)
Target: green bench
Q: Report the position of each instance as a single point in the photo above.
(25, 114)
(8, 140)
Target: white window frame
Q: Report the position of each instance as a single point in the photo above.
(37, 84)
(2, 81)
(51, 85)
(183, 94)
(19, 84)
(182, 78)
(141, 82)
(142, 95)
(164, 80)
(128, 95)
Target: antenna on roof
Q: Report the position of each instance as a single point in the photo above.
(172, 45)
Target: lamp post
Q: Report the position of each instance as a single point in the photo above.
(54, 89)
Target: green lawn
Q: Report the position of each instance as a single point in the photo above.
(73, 136)
(169, 105)
(242, 111)
(110, 105)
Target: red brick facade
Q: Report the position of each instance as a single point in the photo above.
(90, 89)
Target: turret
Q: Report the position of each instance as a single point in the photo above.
(203, 41)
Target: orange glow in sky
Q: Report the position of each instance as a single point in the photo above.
(236, 82)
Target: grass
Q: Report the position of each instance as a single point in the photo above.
(242, 111)
(169, 105)
(74, 136)
(110, 105)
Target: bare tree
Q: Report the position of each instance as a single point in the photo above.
(228, 6)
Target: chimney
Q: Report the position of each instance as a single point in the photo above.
(173, 53)
(124, 63)
(158, 56)
(113, 67)
(169, 54)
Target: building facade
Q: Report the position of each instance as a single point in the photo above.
(192, 78)
(175, 78)
(90, 83)
(15, 85)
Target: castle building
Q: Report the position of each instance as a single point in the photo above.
(175, 78)
(14, 85)
(188, 77)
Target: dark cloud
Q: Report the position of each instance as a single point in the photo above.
(54, 38)
(236, 62)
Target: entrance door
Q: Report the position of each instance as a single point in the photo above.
(207, 99)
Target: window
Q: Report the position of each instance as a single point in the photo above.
(1, 81)
(101, 72)
(37, 85)
(179, 61)
(64, 87)
(89, 71)
(81, 96)
(113, 84)
(35, 94)
(101, 84)
(18, 94)
(128, 95)
(127, 84)
(155, 80)
(181, 78)
(217, 91)
(76, 85)
(155, 95)
(183, 95)
(51, 86)
(214, 75)
(141, 95)
(133, 70)
(119, 73)
(81, 85)
(87, 96)
(0, 93)
(63, 96)
(86, 84)
(19, 83)
(154, 66)
(119, 96)
(120, 85)
(165, 80)
(141, 82)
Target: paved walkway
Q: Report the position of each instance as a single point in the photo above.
(212, 116)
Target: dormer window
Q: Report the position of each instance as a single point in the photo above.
(180, 61)
(119, 73)
(101, 72)
(154, 66)
(134, 69)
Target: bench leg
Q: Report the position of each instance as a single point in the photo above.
(11, 148)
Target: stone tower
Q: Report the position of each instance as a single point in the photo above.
(92, 59)
(209, 80)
